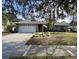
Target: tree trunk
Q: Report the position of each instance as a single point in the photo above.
(73, 22)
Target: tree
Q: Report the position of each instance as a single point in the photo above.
(56, 8)
(8, 21)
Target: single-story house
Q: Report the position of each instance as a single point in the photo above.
(36, 26)
(30, 26)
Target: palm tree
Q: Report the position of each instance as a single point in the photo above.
(8, 21)
(5, 21)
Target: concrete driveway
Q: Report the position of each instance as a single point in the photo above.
(14, 44)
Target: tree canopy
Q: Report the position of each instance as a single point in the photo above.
(57, 8)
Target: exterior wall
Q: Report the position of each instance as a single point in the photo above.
(40, 28)
(61, 28)
(37, 28)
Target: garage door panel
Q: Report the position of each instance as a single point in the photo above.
(30, 28)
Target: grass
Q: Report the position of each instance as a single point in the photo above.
(43, 57)
(4, 34)
(55, 38)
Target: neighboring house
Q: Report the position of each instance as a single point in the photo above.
(73, 25)
(36, 26)
(63, 26)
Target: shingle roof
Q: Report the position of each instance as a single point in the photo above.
(62, 23)
(31, 22)
(39, 22)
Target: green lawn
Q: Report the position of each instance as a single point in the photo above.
(55, 38)
(4, 34)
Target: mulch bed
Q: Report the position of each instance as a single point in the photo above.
(57, 39)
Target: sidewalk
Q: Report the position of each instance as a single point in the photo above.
(39, 50)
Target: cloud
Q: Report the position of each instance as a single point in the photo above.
(20, 17)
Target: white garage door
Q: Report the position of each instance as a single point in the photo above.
(27, 28)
